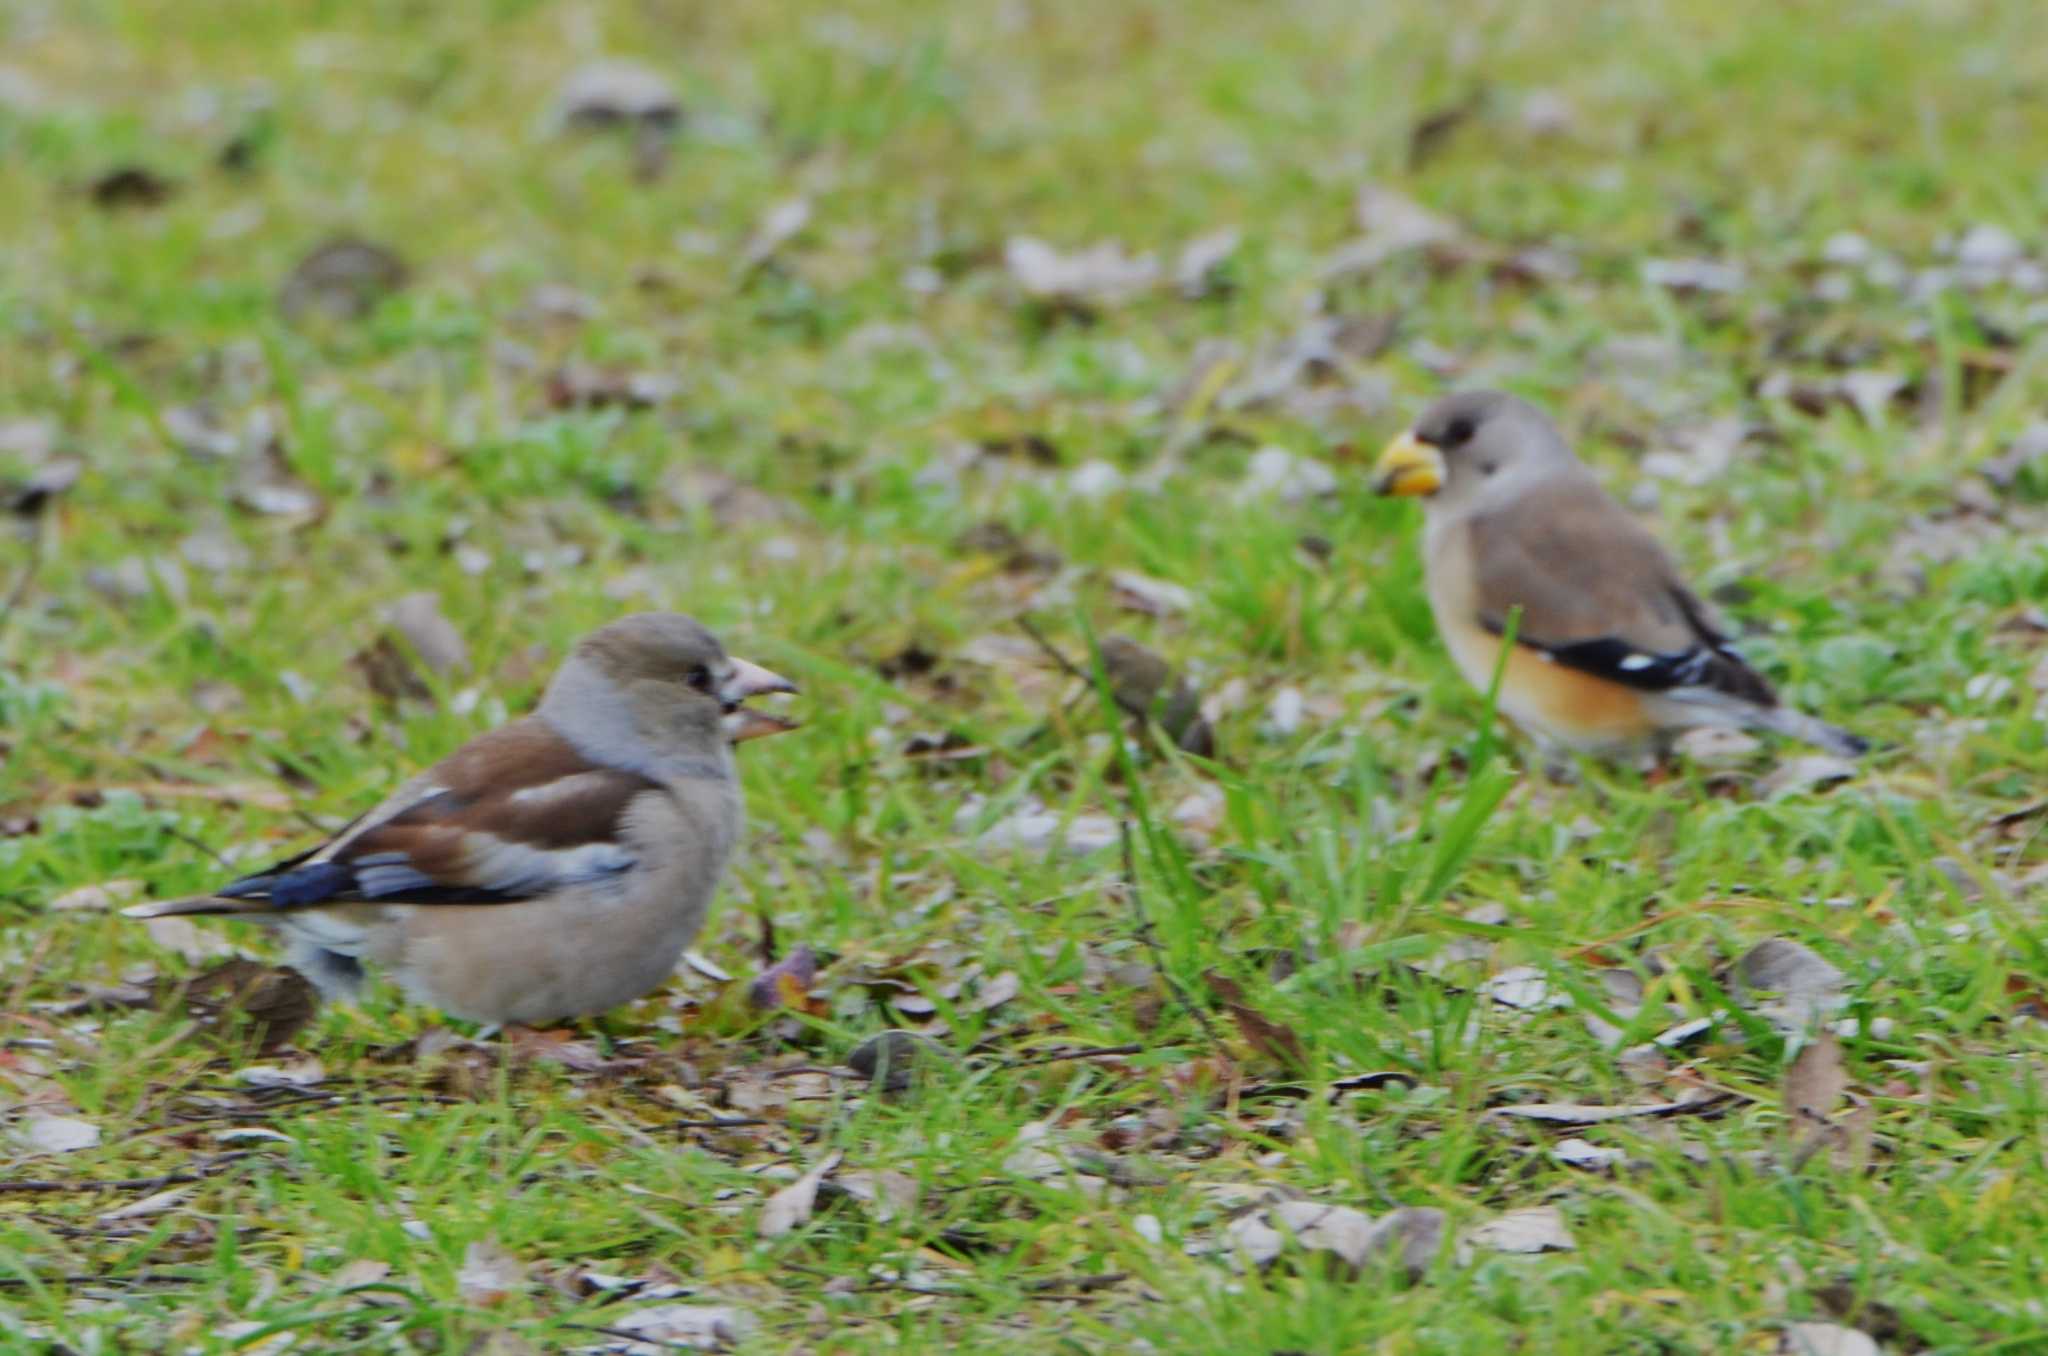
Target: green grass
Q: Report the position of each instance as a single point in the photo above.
(1346, 853)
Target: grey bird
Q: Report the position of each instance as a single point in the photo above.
(1613, 653)
(552, 868)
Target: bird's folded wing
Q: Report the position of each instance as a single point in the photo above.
(514, 814)
(1597, 593)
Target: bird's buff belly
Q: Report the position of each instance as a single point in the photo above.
(1555, 703)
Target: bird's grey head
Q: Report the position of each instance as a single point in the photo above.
(1475, 449)
(655, 686)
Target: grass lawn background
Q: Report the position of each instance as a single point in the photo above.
(1779, 271)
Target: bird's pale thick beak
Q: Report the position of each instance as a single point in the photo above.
(741, 721)
(1409, 466)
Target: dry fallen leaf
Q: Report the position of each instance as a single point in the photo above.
(1275, 1040)
(48, 1134)
(1586, 1113)
(1815, 1082)
(362, 1271)
(156, 1203)
(418, 617)
(1155, 597)
(889, 1195)
(777, 228)
(188, 939)
(1541, 1229)
(248, 1000)
(489, 1274)
(1826, 1339)
(1391, 224)
(96, 898)
(709, 1326)
(610, 92)
(792, 1206)
(1807, 986)
(1145, 685)
(785, 983)
(131, 186)
(1102, 275)
(892, 1058)
(342, 279)
(1352, 1236)
(1806, 772)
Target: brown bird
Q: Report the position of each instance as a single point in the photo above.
(552, 868)
(1613, 654)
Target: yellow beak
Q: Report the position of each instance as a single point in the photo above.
(1409, 466)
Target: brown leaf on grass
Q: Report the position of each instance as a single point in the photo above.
(1199, 271)
(559, 1045)
(887, 1195)
(1274, 1040)
(711, 1326)
(1789, 983)
(131, 186)
(489, 1274)
(267, 484)
(791, 1207)
(361, 1271)
(586, 386)
(1413, 1234)
(1146, 686)
(612, 92)
(1154, 597)
(188, 939)
(785, 984)
(729, 501)
(1392, 224)
(1815, 1082)
(1589, 1113)
(389, 672)
(996, 991)
(1843, 1299)
(46, 1134)
(1805, 772)
(1432, 132)
(1541, 1229)
(418, 618)
(248, 1000)
(2026, 454)
(96, 898)
(341, 279)
(781, 224)
(891, 1059)
(1811, 1338)
(1080, 281)
(32, 494)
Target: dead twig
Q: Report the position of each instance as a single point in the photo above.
(1091, 1052)
(20, 588)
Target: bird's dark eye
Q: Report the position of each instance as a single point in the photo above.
(1458, 431)
(699, 678)
(1487, 468)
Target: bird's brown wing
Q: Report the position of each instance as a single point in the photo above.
(1597, 593)
(515, 813)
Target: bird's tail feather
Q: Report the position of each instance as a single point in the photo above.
(1798, 725)
(195, 904)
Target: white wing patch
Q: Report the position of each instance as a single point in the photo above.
(563, 788)
(1636, 663)
(517, 869)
